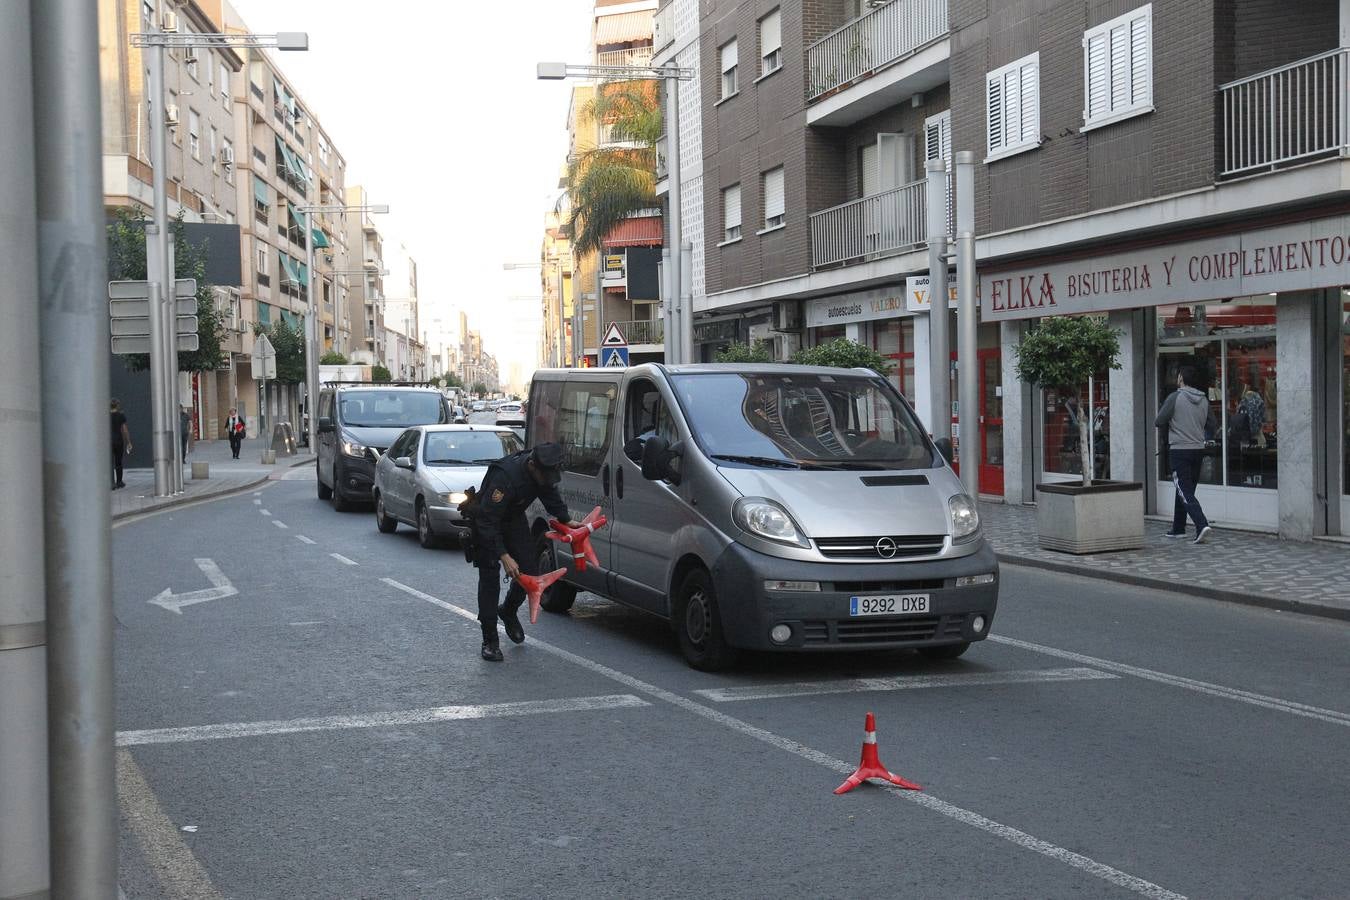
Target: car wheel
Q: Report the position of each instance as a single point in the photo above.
(560, 596)
(425, 536)
(698, 624)
(386, 524)
(340, 503)
(325, 492)
(945, 651)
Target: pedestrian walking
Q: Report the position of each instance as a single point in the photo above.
(501, 534)
(121, 441)
(185, 429)
(1190, 423)
(235, 431)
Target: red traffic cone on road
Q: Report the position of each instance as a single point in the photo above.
(579, 539)
(534, 588)
(870, 766)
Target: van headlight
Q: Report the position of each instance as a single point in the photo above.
(352, 448)
(965, 517)
(764, 518)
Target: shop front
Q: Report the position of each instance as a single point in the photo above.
(1262, 320)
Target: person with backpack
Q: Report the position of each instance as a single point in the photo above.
(1190, 421)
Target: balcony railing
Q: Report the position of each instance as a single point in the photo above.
(871, 42)
(634, 56)
(643, 331)
(1292, 113)
(880, 224)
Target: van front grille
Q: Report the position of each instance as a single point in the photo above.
(886, 587)
(894, 631)
(882, 547)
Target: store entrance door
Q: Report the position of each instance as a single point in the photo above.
(991, 422)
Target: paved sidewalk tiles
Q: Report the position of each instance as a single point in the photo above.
(227, 475)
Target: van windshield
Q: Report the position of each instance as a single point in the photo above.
(390, 409)
(807, 421)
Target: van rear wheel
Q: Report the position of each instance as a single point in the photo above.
(698, 624)
(560, 596)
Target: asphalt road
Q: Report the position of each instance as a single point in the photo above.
(338, 736)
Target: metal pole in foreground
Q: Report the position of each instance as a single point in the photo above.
(311, 341)
(157, 262)
(967, 334)
(72, 271)
(23, 620)
(676, 280)
(686, 268)
(169, 303)
(939, 346)
(667, 306)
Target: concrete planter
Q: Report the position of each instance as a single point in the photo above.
(201, 471)
(1072, 518)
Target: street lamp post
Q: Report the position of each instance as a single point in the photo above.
(166, 450)
(672, 75)
(312, 316)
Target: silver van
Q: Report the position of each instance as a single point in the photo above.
(767, 507)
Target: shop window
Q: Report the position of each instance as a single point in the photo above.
(1062, 436)
(827, 334)
(1231, 345)
(894, 339)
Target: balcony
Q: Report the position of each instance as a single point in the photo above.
(634, 56)
(1288, 115)
(643, 335)
(878, 225)
(876, 61)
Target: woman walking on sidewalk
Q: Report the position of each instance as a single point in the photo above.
(121, 441)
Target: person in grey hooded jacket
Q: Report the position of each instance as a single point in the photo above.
(1187, 415)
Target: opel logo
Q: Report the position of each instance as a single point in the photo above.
(885, 547)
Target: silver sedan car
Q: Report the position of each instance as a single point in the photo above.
(423, 476)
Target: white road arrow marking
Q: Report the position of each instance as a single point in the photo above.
(220, 589)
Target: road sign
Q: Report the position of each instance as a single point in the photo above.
(137, 343)
(140, 308)
(264, 359)
(140, 290)
(613, 357)
(187, 325)
(614, 336)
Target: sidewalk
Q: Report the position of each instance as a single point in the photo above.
(227, 475)
(1238, 566)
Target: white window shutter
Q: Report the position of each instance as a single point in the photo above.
(1141, 60)
(938, 137)
(773, 194)
(892, 153)
(1030, 76)
(1118, 67)
(731, 207)
(729, 56)
(870, 183)
(1098, 77)
(771, 33)
(994, 113)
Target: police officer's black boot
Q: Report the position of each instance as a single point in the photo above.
(492, 650)
(511, 622)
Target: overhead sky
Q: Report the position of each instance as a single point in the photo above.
(436, 108)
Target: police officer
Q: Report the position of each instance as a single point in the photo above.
(502, 534)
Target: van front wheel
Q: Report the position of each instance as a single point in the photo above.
(698, 624)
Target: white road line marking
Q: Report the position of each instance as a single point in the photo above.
(256, 501)
(342, 559)
(178, 871)
(964, 816)
(264, 512)
(852, 685)
(302, 539)
(1335, 717)
(257, 493)
(304, 623)
(376, 720)
(280, 524)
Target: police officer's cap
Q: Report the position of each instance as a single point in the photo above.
(549, 458)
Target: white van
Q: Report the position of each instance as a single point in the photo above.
(768, 507)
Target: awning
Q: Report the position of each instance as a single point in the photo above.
(288, 270)
(297, 220)
(623, 28)
(264, 314)
(260, 190)
(291, 319)
(642, 231)
(302, 274)
(320, 239)
(292, 163)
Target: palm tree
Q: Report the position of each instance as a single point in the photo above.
(606, 185)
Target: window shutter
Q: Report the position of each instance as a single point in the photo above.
(771, 33)
(994, 115)
(1098, 77)
(729, 57)
(1030, 77)
(870, 184)
(938, 137)
(1118, 66)
(773, 194)
(731, 207)
(894, 152)
(1141, 60)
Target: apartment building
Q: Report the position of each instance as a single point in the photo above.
(1176, 166)
(335, 267)
(201, 155)
(405, 352)
(365, 294)
(557, 292)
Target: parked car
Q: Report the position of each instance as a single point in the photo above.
(459, 415)
(479, 405)
(424, 476)
(357, 423)
(511, 414)
(766, 507)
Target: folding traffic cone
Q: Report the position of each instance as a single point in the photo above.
(579, 539)
(871, 766)
(534, 588)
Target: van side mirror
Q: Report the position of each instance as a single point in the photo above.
(944, 446)
(658, 460)
(325, 425)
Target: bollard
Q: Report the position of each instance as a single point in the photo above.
(201, 471)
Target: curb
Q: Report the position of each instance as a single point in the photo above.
(210, 494)
(1264, 601)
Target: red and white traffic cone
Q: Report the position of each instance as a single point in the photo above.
(535, 587)
(870, 766)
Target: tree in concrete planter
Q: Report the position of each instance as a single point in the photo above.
(380, 375)
(845, 354)
(332, 358)
(1063, 352)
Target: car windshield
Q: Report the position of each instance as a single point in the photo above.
(807, 421)
(468, 448)
(391, 409)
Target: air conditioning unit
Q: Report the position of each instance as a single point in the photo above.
(787, 315)
(227, 156)
(190, 54)
(169, 22)
(171, 115)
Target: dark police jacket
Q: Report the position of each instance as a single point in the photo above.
(507, 491)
